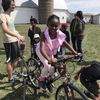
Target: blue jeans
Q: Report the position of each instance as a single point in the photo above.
(63, 51)
(73, 39)
(79, 45)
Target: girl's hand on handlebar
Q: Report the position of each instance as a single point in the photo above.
(79, 54)
(54, 60)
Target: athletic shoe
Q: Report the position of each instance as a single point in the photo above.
(81, 61)
(14, 80)
(16, 73)
(55, 74)
(42, 86)
(50, 88)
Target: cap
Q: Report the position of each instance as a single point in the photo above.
(65, 24)
(36, 36)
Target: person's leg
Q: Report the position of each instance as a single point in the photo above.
(9, 70)
(97, 98)
(73, 39)
(79, 47)
(63, 51)
(12, 53)
(15, 55)
(32, 51)
(14, 64)
(92, 87)
(47, 68)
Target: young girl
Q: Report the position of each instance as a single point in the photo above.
(51, 39)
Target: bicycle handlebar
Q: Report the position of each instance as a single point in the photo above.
(65, 58)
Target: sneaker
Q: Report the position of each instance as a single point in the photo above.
(55, 74)
(16, 73)
(81, 61)
(88, 94)
(42, 86)
(50, 88)
(14, 80)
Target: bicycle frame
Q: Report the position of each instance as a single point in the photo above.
(62, 67)
(59, 76)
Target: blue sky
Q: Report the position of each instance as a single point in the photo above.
(87, 6)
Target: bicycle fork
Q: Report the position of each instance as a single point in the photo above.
(67, 90)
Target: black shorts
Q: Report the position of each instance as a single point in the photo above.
(91, 86)
(12, 51)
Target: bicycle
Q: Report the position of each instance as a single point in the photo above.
(35, 66)
(28, 73)
(68, 84)
(67, 90)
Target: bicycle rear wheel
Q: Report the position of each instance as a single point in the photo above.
(34, 72)
(73, 94)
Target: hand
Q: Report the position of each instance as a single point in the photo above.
(79, 54)
(31, 28)
(54, 60)
(76, 76)
(22, 38)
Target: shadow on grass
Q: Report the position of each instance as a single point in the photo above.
(17, 93)
(2, 51)
(2, 76)
(85, 63)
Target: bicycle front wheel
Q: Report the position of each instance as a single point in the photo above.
(34, 72)
(73, 94)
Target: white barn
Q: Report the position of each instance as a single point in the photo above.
(96, 19)
(25, 9)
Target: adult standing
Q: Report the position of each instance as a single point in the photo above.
(34, 29)
(77, 30)
(10, 38)
(73, 38)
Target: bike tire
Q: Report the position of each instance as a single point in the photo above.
(61, 95)
(34, 72)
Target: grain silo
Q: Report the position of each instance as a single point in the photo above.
(46, 8)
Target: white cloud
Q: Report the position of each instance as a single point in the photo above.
(89, 6)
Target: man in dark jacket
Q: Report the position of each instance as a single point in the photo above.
(77, 31)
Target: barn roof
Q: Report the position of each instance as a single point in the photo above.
(58, 4)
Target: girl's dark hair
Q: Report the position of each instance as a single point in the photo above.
(53, 17)
(6, 4)
(33, 19)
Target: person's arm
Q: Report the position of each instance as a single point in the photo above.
(71, 25)
(31, 33)
(38, 31)
(69, 47)
(6, 30)
(78, 73)
(80, 28)
(42, 46)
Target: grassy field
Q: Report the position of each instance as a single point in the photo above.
(91, 48)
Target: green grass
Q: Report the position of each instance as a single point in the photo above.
(91, 48)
